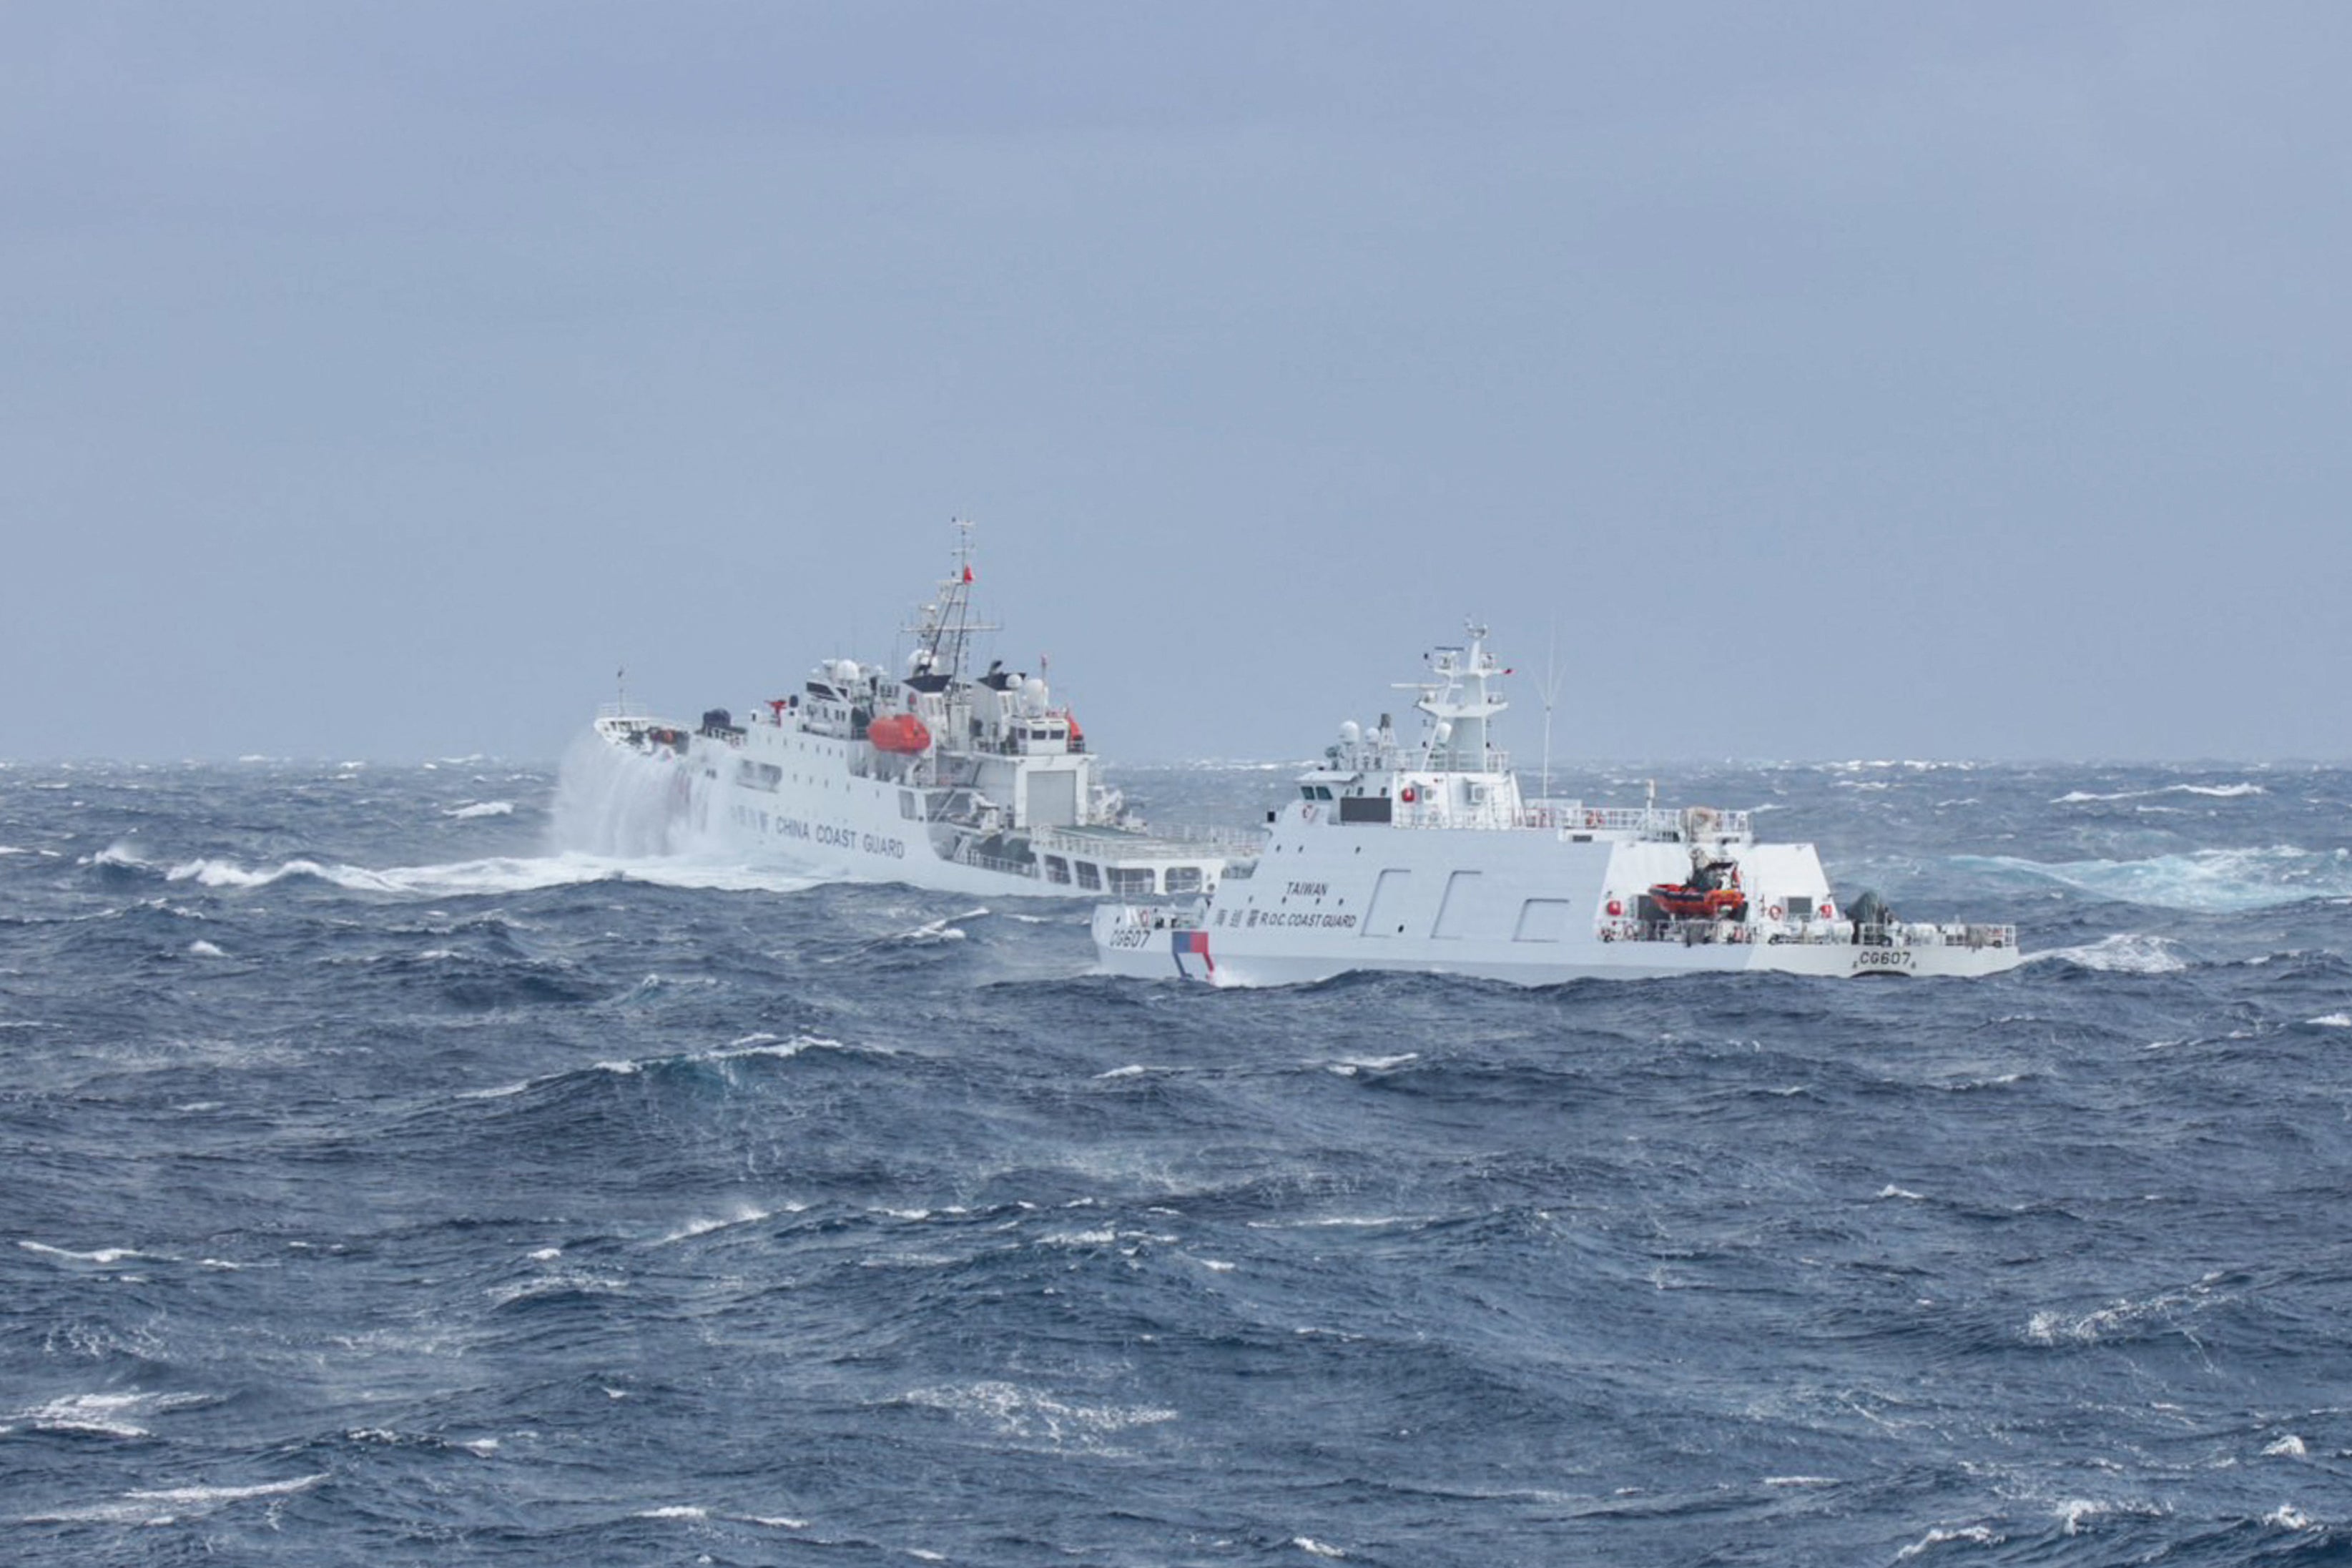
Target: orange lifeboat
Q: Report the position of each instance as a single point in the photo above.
(899, 732)
(1699, 904)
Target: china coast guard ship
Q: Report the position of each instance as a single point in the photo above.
(1422, 855)
(936, 777)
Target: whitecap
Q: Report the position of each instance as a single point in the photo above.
(103, 1415)
(1978, 1535)
(137, 1507)
(201, 950)
(1019, 1412)
(2207, 881)
(2052, 1328)
(2286, 1516)
(2126, 953)
(2211, 791)
(1348, 1066)
(492, 876)
(675, 1511)
(2289, 1446)
(770, 1045)
(744, 1214)
(556, 1285)
(2331, 1021)
(481, 808)
(1097, 1238)
(106, 1257)
(1315, 1548)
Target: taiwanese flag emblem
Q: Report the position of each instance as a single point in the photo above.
(1196, 943)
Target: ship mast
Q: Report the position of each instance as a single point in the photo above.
(944, 633)
(1458, 703)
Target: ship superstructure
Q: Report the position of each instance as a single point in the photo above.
(930, 774)
(1423, 854)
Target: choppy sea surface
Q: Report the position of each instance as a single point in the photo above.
(391, 1171)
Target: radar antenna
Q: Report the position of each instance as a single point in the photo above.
(1551, 694)
(944, 631)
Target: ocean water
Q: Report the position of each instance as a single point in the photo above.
(418, 1164)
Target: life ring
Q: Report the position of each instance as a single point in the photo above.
(1775, 912)
(1591, 818)
(1616, 908)
(1825, 912)
(1405, 794)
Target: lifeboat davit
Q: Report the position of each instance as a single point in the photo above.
(1699, 904)
(899, 732)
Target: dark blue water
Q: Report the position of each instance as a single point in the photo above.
(380, 1182)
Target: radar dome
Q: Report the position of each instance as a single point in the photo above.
(1350, 732)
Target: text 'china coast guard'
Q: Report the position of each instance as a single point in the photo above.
(1422, 855)
(936, 776)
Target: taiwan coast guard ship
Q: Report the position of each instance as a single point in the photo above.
(936, 777)
(1423, 856)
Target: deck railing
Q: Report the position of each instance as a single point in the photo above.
(1656, 822)
(1814, 933)
(1152, 843)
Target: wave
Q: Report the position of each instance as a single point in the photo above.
(609, 802)
(167, 1505)
(2204, 881)
(481, 808)
(493, 875)
(2126, 953)
(2128, 1318)
(750, 1045)
(112, 1415)
(105, 1256)
(2212, 791)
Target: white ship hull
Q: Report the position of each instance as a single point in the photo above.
(769, 795)
(1423, 857)
(929, 774)
(1529, 905)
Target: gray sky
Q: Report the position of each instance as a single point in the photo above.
(1830, 380)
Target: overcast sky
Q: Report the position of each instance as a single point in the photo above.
(1815, 381)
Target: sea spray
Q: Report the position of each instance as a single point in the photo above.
(616, 802)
